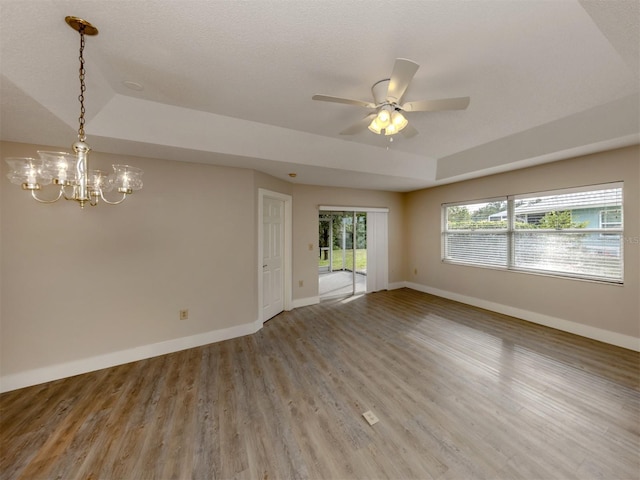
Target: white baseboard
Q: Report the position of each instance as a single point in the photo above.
(77, 367)
(85, 365)
(304, 302)
(606, 336)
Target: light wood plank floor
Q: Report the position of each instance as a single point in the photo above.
(461, 393)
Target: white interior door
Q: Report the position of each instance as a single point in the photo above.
(272, 257)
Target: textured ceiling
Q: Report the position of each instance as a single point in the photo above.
(230, 83)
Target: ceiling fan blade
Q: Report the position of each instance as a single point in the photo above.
(409, 131)
(459, 103)
(359, 126)
(403, 72)
(347, 101)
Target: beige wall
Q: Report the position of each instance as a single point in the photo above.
(307, 199)
(81, 283)
(271, 183)
(76, 284)
(608, 307)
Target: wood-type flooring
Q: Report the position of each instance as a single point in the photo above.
(461, 393)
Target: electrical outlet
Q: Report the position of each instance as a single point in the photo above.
(300, 283)
(370, 417)
(311, 247)
(184, 314)
(415, 271)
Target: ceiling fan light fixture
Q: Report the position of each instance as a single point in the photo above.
(375, 127)
(391, 129)
(399, 120)
(384, 117)
(388, 121)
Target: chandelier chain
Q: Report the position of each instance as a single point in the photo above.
(81, 135)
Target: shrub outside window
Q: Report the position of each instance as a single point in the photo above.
(571, 233)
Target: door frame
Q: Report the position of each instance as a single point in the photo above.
(287, 251)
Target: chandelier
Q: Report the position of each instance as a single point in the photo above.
(388, 119)
(70, 171)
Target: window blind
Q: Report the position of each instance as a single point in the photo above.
(574, 232)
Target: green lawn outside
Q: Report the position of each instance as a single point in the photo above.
(361, 260)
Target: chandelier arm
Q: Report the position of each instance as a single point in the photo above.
(74, 194)
(124, 195)
(35, 197)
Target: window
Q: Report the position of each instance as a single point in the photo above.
(611, 218)
(476, 233)
(559, 233)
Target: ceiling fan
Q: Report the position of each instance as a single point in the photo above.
(387, 117)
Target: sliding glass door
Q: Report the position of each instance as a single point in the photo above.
(342, 261)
